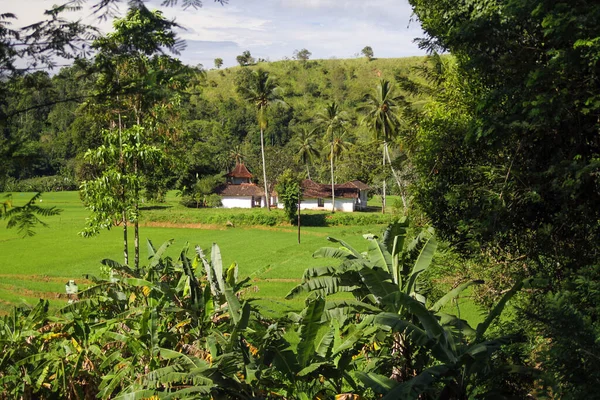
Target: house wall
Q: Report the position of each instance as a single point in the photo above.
(237, 201)
(343, 204)
(362, 200)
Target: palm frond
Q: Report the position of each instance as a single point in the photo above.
(25, 217)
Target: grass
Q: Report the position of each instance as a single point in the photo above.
(39, 266)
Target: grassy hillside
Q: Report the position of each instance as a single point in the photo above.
(308, 85)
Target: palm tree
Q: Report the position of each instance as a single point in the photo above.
(340, 145)
(332, 119)
(237, 154)
(262, 91)
(381, 116)
(305, 144)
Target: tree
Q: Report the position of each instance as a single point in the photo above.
(367, 51)
(333, 120)
(41, 44)
(302, 55)
(305, 144)
(509, 168)
(341, 145)
(262, 92)
(218, 63)
(381, 117)
(204, 187)
(288, 190)
(245, 59)
(132, 66)
(532, 156)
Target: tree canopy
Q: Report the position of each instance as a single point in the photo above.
(520, 164)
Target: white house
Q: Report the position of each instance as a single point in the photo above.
(349, 196)
(239, 191)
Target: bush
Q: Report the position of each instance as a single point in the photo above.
(188, 201)
(54, 183)
(213, 200)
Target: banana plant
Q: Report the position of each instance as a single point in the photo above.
(171, 326)
(326, 356)
(412, 337)
(389, 266)
(461, 357)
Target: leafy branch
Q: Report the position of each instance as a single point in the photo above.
(25, 217)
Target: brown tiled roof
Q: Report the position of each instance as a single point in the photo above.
(312, 190)
(245, 189)
(240, 171)
(356, 184)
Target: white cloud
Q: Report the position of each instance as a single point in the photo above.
(273, 29)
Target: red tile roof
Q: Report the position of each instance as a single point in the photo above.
(240, 171)
(245, 189)
(357, 184)
(311, 189)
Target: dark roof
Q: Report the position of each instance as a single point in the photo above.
(311, 189)
(357, 184)
(245, 189)
(240, 171)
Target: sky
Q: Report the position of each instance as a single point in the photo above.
(272, 29)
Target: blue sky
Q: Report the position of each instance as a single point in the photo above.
(273, 29)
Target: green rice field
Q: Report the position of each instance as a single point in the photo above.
(39, 266)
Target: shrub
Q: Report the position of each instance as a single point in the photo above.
(188, 201)
(54, 183)
(213, 200)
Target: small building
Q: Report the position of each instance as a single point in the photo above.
(349, 196)
(239, 191)
(363, 189)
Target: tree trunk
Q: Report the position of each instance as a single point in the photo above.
(125, 249)
(383, 186)
(308, 172)
(136, 230)
(124, 213)
(136, 200)
(262, 149)
(332, 180)
(397, 178)
(136, 241)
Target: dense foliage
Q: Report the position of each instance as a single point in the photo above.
(508, 160)
(188, 328)
(214, 128)
(518, 123)
(498, 144)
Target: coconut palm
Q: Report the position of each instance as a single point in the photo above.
(305, 144)
(262, 92)
(333, 120)
(341, 144)
(381, 116)
(236, 154)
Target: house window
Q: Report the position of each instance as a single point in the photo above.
(320, 202)
(256, 201)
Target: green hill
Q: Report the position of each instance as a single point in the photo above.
(308, 85)
(210, 125)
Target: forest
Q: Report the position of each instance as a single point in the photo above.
(490, 146)
(213, 125)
